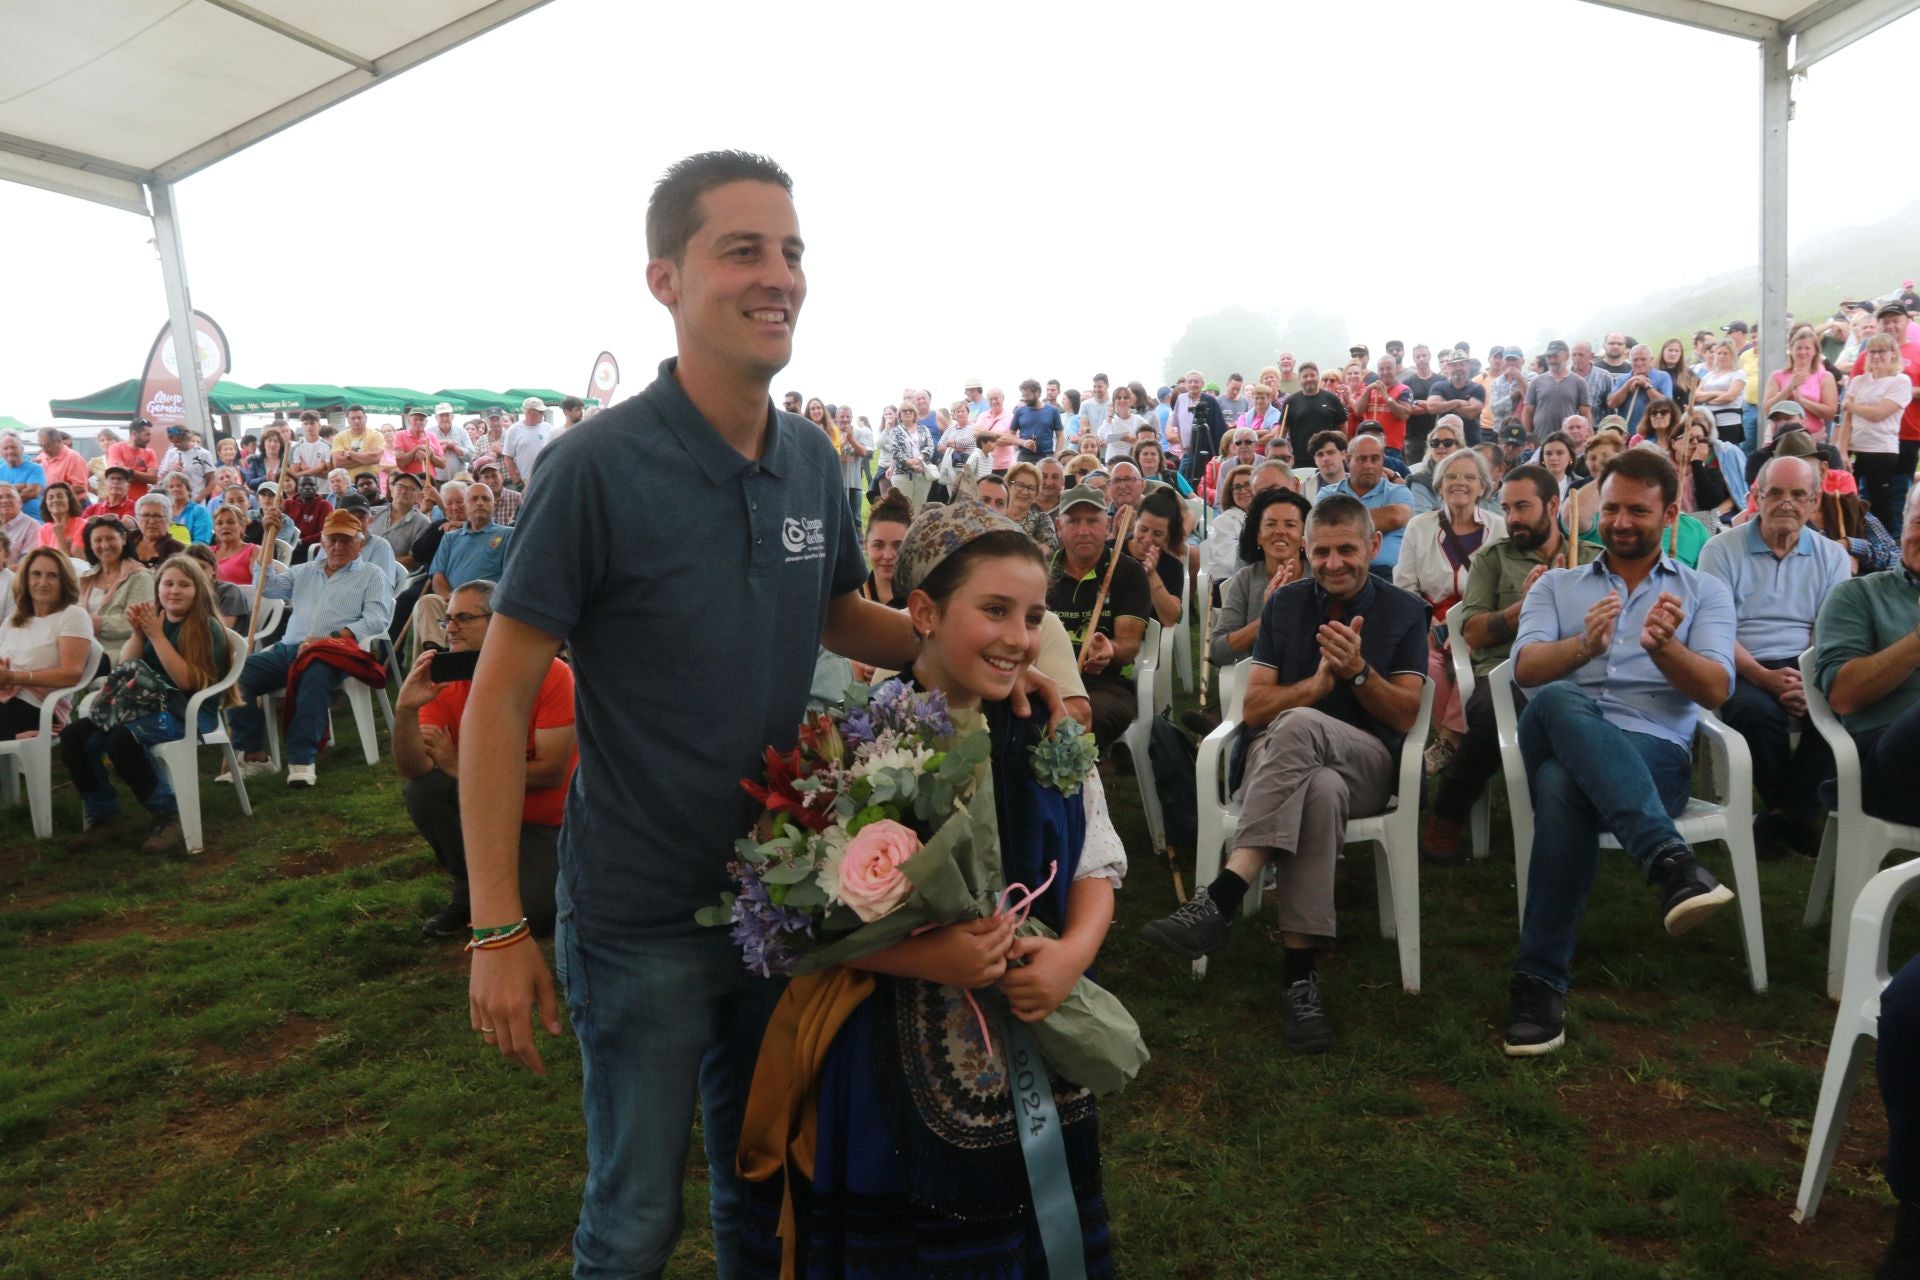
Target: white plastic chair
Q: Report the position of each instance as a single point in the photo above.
(360, 696)
(180, 758)
(1182, 639)
(1855, 843)
(1730, 822)
(1480, 838)
(1395, 830)
(1858, 1021)
(1153, 694)
(271, 611)
(30, 760)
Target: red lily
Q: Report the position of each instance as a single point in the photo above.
(783, 770)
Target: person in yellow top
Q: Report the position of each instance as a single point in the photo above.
(359, 448)
(1748, 344)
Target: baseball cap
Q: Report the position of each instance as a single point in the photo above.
(1082, 496)
(1494, 353)
(353, 500)
(118, 471)
(1794, 442)
(1510, 353)
(266, 486)
(1892, 306)
(341, 521)
(496, 412)
(533, 402)
(1557, 347)
(971, 384)
(1735, 326)
(443, 407)
(1513, 433)
(1786, 409)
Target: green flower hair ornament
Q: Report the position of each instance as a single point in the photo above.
(1064, 757)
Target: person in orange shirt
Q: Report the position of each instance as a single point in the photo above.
(426, 748)
(142, 464)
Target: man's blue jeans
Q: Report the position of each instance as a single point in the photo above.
(1750, 428)
(266, 672)
(1587, 776)
(659, 1020)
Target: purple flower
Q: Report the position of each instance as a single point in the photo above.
(857, 728)
(762, 928)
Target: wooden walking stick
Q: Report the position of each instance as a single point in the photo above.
(1100, 600)
(1573, 528)
(1206, 647)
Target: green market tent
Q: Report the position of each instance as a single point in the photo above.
(391, 399)
(12, 424)
(516, 394)
(318, 396)
(472, 399)
(118, 402)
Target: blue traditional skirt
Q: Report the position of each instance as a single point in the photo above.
(918, 1170)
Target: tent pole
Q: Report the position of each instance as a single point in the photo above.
(173, 273)
(1776, 110)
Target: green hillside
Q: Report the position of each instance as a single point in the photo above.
(1858, 262)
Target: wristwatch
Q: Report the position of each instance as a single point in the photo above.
(1361, 678)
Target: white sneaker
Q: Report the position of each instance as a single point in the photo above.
(301, 775)
(248, 769)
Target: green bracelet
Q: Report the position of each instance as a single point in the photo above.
(498, 931)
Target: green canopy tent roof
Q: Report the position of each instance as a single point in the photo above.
(12, 424)
(119, 402)
(517, 394)
(318, 396)
(473, 399)
(392, 399)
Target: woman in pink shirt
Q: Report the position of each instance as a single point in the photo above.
(60, 520)
(1806, 381)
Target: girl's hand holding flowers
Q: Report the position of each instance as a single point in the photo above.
(1039, 986)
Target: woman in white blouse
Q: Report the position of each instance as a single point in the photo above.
(44, 638)
(1434, 556)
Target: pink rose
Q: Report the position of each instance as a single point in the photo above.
(871, 881)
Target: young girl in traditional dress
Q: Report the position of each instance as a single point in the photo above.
(917, 1166)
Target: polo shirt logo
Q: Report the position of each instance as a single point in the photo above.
(804, 538)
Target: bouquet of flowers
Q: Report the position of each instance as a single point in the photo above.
(880, 824)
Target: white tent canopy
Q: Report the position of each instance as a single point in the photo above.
(1791, 36)
(115, 100)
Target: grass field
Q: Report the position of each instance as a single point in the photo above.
(251, 1064)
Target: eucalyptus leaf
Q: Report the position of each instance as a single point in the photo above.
(788, 873)
(806, 895)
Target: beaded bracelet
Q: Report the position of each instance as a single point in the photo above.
(520, 934)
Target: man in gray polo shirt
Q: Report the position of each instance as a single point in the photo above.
(1554, 396)
(689, 661)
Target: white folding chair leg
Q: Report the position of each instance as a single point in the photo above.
(1746, 883)
(36, 766)
(1821, 890)
(270, 716)
(232, 760)
(360, 698)
(177, 758)
(1211, 833)
(1837, 1084)
(1479, 828)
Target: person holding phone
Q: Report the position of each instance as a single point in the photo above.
(426, 749)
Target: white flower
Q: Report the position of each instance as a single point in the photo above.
(912, 759)
(832, 847)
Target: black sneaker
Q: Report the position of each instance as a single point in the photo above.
(165, 837)
(1538, 1023)
(1902, 1260)
(1194, 931)
(1304, 1025)
(451, 921)
(1689, 894)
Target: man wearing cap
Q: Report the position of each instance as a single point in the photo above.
(338, 596)
(488, 444)
(506, 502)
(116, 498)
(1459, 395)
(1074, 574)
(142, 464)
(454, 444)
(1515, 443)
(1388, 502)
(477, 550)
(1778, 570)
(375, 551)
(359, 448)
(1554, 396)
(415, 450)
(1338, 666)
(525, 441)
(273, 515)
(1786, 437)
(186, 455)
(400, 521)
(1508, 390)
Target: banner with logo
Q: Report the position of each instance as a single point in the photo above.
(161, 401)
(605, 379)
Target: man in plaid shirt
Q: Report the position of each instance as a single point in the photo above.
(506, 502)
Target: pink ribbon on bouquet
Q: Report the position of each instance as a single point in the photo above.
(1019, 911)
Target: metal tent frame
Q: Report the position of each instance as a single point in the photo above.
(1791, 36)
(115, 101)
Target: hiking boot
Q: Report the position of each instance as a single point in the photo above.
(1193, 932)
(1689, 894)
(1440, 841)
(1304, 1025)
(1902, 1260)
(450, 921)
(97, 831)
(165, 837)
(1538, 1022)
